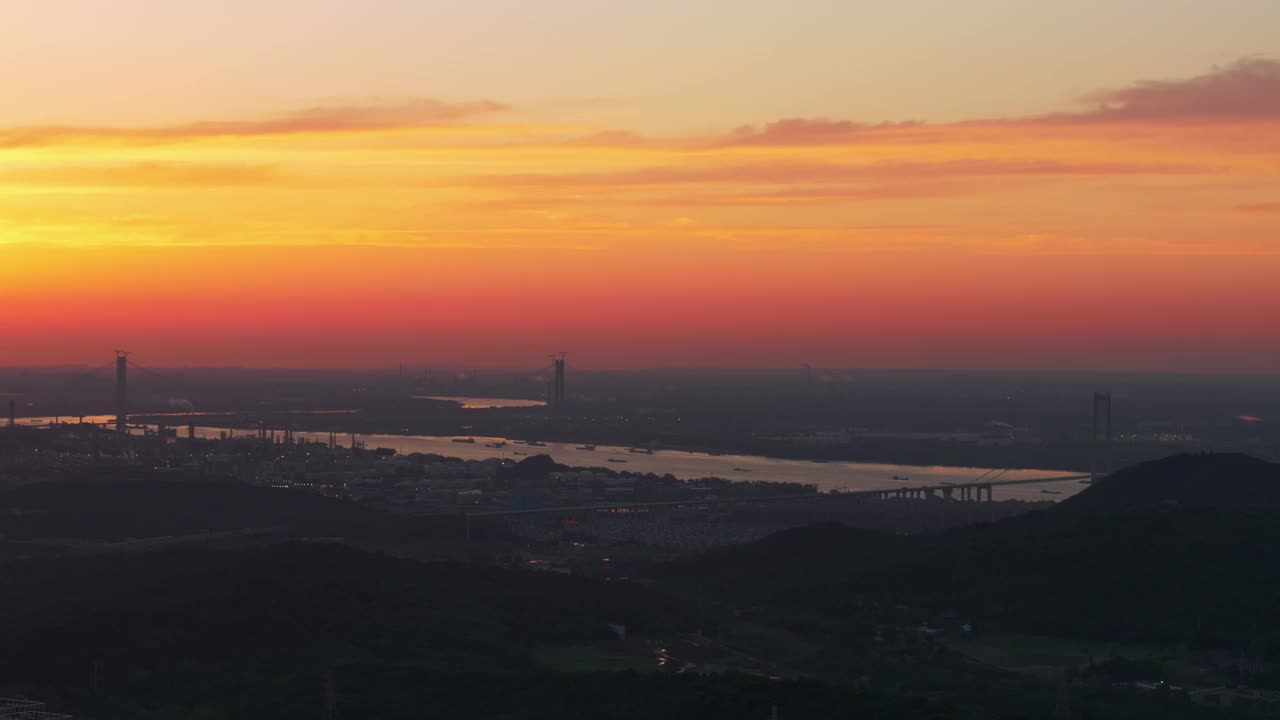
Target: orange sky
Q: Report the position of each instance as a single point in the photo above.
(1136, 230)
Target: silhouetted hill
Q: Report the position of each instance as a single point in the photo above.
(788, 562)
(307, 630)
(1199, 571)
(1201, 576)
(255, 631)
(1203, 480)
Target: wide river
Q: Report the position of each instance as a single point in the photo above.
(827, 476)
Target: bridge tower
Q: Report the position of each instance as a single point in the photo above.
(122, 382)
(1100, 463)
(555, 399)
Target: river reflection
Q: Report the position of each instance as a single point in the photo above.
(478, 403)
(827, 476)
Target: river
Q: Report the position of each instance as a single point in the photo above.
(827, 476)
(479, 403)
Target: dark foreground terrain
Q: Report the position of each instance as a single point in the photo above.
(1149, 594)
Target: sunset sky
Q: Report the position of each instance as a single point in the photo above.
(926, 183)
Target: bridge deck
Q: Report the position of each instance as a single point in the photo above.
(878, 492)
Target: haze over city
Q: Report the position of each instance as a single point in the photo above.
(849, 184)
(698, 360)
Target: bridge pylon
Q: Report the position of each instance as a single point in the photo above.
(1100, 440)
(122, 384)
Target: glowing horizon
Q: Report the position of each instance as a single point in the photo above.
(1131, 224)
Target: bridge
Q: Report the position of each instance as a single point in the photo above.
(970, 491)
(966, 492)
(121, 365)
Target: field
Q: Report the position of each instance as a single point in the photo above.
(582, 658)
(1047, 655)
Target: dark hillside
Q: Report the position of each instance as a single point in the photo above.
(320, 630)
(790, 562)
(246, 628)
(1203, 480)
(1199, 576)
(1203, 569)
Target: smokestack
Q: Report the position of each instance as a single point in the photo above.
(122, 381)
(13, 412)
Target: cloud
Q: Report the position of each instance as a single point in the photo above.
(610, 138)
(979, 167)
(1246, 89)
(798, 172)
(1258, 208)
(145, 175)
(811, 195)
(1041, 245)
(325, 119)
(807, 131)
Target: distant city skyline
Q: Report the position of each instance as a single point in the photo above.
(927, 185)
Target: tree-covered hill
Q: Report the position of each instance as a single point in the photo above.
(251, 624)
(1199, 565)
(1211, 480)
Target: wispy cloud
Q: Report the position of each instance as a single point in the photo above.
(1246, 89)
(808, 131)
(326, 119)
(812, 195)
(795, 172)
(1258, 208)
(145, 175)
(480, 175)
(1040, 245)
(610, 138)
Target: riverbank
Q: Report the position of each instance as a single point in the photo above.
(831, 476)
